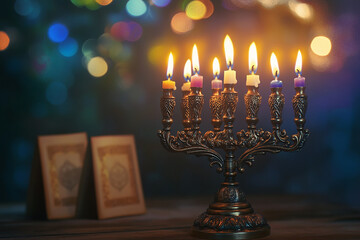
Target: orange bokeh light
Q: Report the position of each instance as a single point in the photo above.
(181, 23)
(4, 40)
(104, 2)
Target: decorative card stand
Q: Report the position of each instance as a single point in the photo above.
(55, 175)
(115, 174)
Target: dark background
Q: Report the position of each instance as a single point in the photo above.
(44, 92)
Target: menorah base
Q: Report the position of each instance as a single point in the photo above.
(230, 217)
(235, 233)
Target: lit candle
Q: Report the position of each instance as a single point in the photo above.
(169, 84)
(216, 83)
(275, 71)
(253, 79)
(229, 75)
(187, 75)
(196, 79)
(299, 81)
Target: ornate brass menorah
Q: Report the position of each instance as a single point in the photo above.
(231, 216)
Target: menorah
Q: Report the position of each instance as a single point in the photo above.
(231, 216)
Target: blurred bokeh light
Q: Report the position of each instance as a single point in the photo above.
(161, 3)
(302, 10)
(97, 67)
(195, 10)
(58, 32)
(4, 40)
(69, 47)
(104, 2)
(321, 45)
(181, 23)
(136, 8)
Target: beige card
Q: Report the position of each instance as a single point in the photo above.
(116, 175)
(62, 159)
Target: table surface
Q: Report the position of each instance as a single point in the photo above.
(290, 218)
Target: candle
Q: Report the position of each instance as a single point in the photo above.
(299, 81)
(169, 84)
(187, 75)
(196, 79)
(252, 79)
(216, 83)
(275, 71)
(229, 75)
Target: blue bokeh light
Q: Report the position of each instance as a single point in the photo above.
(23, 7)
(56, 93)
(161, 3)
(136, 8)
(58, 32)
(69, 47)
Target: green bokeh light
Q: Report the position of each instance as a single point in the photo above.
(136, 8)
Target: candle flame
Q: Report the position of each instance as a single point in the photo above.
(170, 67)
(187, 70)
(298, 64)
(195, 60)
(253, 61)
(216, 67)
(229, 51)
(274, 66)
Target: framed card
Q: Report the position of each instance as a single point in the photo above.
(117, 180)
(61, 160)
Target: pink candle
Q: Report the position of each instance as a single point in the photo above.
(216, 84)
(196, 81)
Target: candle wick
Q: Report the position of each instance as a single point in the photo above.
(252, 69)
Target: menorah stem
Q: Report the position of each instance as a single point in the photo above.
(276, 104)
(230, 167)
(216, 109)
(196, 102)
(252, 104)
(300, 106)
(185, 111)
(167, 105)
(229, 103)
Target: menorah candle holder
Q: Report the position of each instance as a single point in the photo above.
(231, 216)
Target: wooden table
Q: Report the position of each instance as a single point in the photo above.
(290, 218)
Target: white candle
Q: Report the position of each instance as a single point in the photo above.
(253, 79)
(229, 75)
